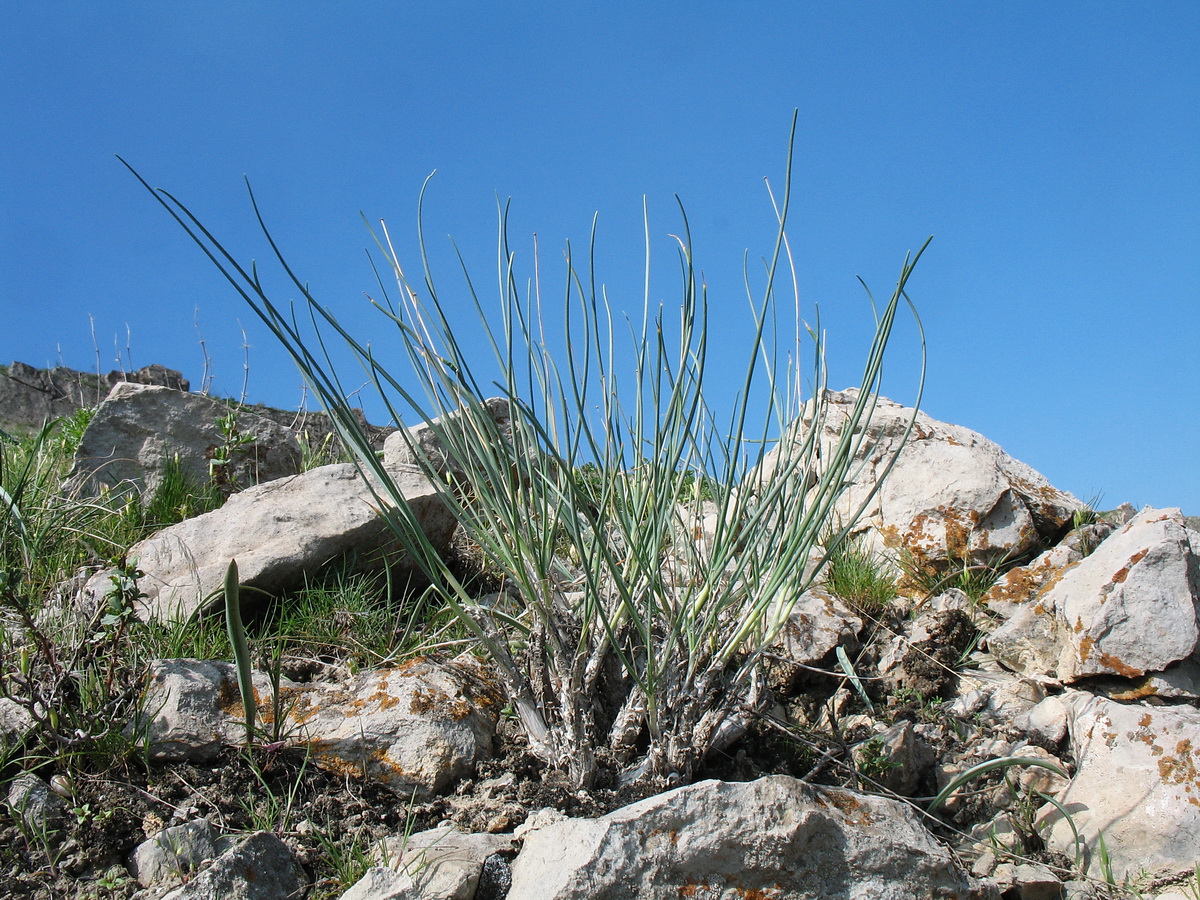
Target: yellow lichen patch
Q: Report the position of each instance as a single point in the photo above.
(438, 702)
(1021, 584)
(374, 763)
(382, 697)
(406, 668)
(303, 708)
(1085, 646)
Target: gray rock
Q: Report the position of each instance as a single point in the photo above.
(1020, 586)
(138, 429)
(15, 720)
(774, 837)
(417, 727)
(818, 624)
(1128, 609)
(195, 709)
(382, 883)
(258, 867)
(171, 856)
(31, 800)
(896, 759)
(445, 863)
(1028, 881)
(1137, 784)
(280, 533)
(29, 396)
(1045, 723)
(422, 446)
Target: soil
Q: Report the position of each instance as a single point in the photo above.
(323, 816)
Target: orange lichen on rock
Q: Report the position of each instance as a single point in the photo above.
(1123, 573)
(1117, 667)
(847, 804)
(1179, 769)
(1140, 690)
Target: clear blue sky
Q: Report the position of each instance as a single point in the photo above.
(1052, 149)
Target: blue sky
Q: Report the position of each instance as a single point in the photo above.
(1051, 149)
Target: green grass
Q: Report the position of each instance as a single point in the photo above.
(864, 579)
(973, 579)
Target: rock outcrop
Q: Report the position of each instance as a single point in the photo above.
(140, 429)
(1129, 609)
(417, 727)
(953, 495)
(29, 396)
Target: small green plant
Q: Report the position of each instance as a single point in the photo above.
(241, 648)
(79, 679)
(177, 497)
(224, 455)
(271, 810)
(344, 861)
(973, 579)
(873, 761)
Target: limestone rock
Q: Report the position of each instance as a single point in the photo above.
(1128, 609)
(1137, 783)
(953, 494)
(1022, 585)
(170, 857)
(818, 624)
(195, 709)
(445, 863)
(381, 883)
(258, 867)
(424, 449)
(15, 720)
(31, 800)
(138, 429)
(772, 837)
(279, 533)
(416, 727)
(896, 759)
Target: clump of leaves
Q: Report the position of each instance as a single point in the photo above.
(860, 576)
(973, 579)
(643, 610)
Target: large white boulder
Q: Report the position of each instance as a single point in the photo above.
(1136, 786)
(279, 533)
(139, 428)
(952, 495)
(1130, 608)
(774, 837)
